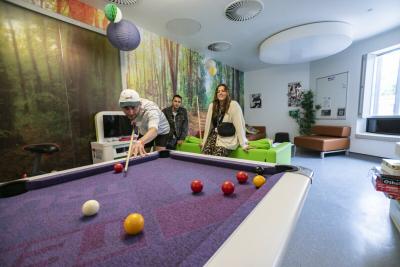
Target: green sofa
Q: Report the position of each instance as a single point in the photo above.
(264, 151)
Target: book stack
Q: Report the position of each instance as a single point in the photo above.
(387, 178)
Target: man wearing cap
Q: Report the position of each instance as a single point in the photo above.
(146, 115)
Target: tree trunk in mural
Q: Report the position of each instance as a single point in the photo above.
(38, 88)
(128, 77)
(190, 88)
(18, 63)
(102, 61)
(156, 74)
(163, 72)
(236, 83)
(8, 113)
(153, 73)
(84, 85)
(145, 82)
(44, 38)
(231, 71)
(136, 78)
(173, 56)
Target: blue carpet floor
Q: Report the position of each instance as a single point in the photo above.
(344, 222)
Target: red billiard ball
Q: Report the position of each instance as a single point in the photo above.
(242, 177)
(118, 167)
(197, 186)
(228, 187)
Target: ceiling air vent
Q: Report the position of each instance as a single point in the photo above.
(219, 46)
(243, 10)
(124, 2)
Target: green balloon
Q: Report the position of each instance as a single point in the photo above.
(110, 10)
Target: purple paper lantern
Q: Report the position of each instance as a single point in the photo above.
(123, 35)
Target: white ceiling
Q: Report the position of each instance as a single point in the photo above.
(246, 37)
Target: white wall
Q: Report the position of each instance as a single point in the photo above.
(350, 60)
(272, 83)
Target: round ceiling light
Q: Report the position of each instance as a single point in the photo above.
(183, 27)
(243, 10)
(305, 43)
(219, 46)
(124, 2)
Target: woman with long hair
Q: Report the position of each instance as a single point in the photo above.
(225, 126)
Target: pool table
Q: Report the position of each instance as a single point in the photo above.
(41, 221)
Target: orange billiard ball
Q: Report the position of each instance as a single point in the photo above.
(134, 223)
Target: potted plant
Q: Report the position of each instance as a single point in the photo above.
(305, 116)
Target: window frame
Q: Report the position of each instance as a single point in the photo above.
(368, 82)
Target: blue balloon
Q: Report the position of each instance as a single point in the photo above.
(123, 35)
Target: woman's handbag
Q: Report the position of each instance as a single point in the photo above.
(226, 129)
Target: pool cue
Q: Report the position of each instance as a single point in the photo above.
(129, 152)
(198, 115)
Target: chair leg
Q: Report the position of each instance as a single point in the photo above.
(322, 155)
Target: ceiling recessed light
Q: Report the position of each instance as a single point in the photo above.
(219, 46)
(305, 43)
(243, 10)
(183, 27)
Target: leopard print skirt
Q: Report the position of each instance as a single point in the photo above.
(210, 147)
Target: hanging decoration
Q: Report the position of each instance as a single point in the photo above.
(210, 63)
(113, 13)
(212, 71)
(123, 35)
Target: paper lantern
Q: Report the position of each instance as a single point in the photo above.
(212, 71)
(210, 63)
(113, 13)
(123, 35)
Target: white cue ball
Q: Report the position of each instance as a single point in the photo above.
(90, 207)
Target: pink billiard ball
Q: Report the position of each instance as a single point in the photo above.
(228, 187)
(197, 186)
(118, 167)
(242, 177)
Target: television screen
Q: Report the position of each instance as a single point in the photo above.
(116, 126)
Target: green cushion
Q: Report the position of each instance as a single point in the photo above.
(192, 140)
(189, 147)
(261, 143)
(262, 150)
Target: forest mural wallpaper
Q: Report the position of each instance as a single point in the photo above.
(54, 77)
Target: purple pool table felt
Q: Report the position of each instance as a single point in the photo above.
(46, 226)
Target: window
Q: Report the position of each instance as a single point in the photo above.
(386, 84)
(379, 104)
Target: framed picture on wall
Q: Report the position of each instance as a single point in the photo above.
(325, 112)
(341, 112)
(295, 94)
(255, 100)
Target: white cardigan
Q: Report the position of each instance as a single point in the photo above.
(235, 116)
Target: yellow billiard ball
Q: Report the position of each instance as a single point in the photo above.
(134, 223)
(259, 180)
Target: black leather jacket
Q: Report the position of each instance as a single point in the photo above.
(180, 126)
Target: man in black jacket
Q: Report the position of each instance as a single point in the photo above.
(178, 121)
